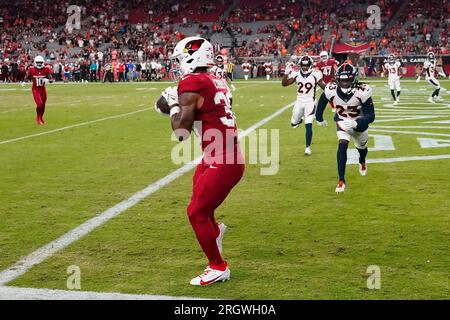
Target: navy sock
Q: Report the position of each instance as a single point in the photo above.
(436, 93)
(362, 155)
(342, 160)
(393, 95)
(309, 134)
(398, 93)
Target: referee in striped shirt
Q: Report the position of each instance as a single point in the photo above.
(230, 67)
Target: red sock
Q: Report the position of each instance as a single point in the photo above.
(222, 267)
(206, 235)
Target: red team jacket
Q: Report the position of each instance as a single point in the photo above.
(327, 69)
(38, 76)
(218, 132)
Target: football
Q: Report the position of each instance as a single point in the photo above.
(162, 106)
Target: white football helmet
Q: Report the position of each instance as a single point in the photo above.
(39, 62)
(191, 53)
(324, 56)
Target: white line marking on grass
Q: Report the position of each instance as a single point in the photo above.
(74, 126)
(41, 254)
(439, 122)
(412, 132)
(16, 293)
(410, 127)
(412, 158)
(409, 118)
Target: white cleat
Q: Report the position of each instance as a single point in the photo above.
(439, 99)
(396, 102)
(295, 126)
(431, 100)
(210, 276)
(308, 151)
(340, 187)
(222, 228)
(363, 169)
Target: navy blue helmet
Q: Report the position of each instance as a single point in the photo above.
(346, 77)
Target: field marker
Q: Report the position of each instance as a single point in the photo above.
(75, 126)
(41, 254)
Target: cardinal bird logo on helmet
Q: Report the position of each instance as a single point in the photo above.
(193, 46)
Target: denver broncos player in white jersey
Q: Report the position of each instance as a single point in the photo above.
(307, 80)
(393, 69)
(219, 71)
(430, 74)
(354, 112)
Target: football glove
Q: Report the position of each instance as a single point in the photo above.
(348, 125)
(324, 123)
(289, 68)
(171, 96)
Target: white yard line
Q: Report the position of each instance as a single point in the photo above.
(409, 127)
(45, 252)
(411, 158)
(16, 293)
(411, 132)
(74, 126)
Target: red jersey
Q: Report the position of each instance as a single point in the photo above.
(327, 69)
(38, 76)
(214, 121)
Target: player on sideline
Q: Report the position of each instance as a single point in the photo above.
(430, 71)
(307, 80)
(354, 113)
(268, 69)
(40, 75)
(246, 67)
(204, 98)
(393, 69)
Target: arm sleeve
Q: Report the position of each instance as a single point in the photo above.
(323, 101)
(369, 115)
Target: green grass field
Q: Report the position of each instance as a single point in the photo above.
(290, 236)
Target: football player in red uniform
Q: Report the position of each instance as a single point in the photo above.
(203, 102)
(327, 66)
(40, 75)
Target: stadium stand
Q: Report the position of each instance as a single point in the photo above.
(139, 31)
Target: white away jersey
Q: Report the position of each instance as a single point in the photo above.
(352, 108)
(430, 68)
(393, 69)
(307, 84)
(218, 72)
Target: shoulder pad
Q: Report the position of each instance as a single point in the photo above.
(330, 90)
(364, 92)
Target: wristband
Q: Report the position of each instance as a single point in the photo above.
(174, 111)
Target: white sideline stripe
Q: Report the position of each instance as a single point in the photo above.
(41, 254)
(16, 293)
(413, 158)
(74, 126)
